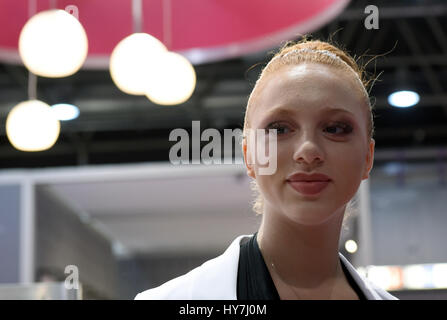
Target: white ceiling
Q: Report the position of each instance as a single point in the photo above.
(159, 208)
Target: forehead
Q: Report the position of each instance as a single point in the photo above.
(310, 87)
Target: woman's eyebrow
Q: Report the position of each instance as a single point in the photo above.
(287, 111)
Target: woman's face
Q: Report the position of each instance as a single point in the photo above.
(321, 120)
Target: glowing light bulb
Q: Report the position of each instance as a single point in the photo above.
(173, 82)
(53, 44)
(403, 99)
(65, 111)
(31, 126)
(133, 60)
(351, 246)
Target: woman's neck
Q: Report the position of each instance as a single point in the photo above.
(302, 256)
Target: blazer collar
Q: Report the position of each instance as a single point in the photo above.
(217, 279)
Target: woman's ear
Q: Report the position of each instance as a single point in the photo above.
(369, 159)
(248, 160)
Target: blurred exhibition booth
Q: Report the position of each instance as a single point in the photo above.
(93, 208)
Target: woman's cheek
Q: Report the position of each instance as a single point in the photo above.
(352, 169)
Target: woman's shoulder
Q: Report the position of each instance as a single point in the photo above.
(175, 289)
(215, 279)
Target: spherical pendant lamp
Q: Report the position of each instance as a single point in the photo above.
(32, 126)
(53, 44)
(172, 81)
(133, 60)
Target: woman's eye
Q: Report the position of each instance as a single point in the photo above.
(280, 128)
(343, 129)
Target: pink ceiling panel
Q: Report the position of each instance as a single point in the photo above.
(202, 30)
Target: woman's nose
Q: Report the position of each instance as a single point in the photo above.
(308, 151)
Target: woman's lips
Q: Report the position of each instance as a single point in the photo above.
(308, 187)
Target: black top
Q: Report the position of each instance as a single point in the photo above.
(253, 278)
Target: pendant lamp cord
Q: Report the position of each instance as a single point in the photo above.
(32, 86)
(167, 26)
(137, 16)
(32, 78)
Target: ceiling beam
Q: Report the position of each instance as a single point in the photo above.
(428, 72)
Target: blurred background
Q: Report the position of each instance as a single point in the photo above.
(103, 196)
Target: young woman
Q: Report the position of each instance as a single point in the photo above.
(314, 95)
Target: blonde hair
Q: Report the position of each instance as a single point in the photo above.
(316, 51)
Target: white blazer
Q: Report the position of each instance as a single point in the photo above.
(216, 279)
